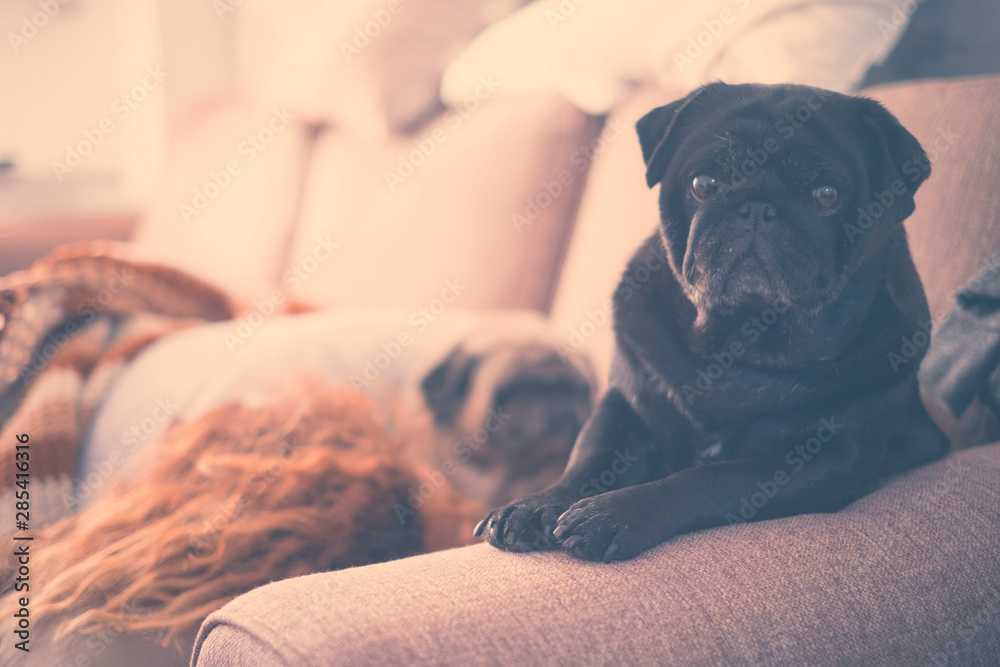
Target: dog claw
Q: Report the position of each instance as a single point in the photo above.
(559, 531)
(609, 554)
(548, 535)
(478, 530)
(571, 542)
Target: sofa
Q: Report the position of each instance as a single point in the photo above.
(907, 575)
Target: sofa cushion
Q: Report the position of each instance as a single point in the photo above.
(617, 213)
(466, 201)
(908, 575)
(227, 201)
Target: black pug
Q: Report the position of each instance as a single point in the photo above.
(758, 331)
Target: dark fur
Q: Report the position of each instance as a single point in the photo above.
(811, 414)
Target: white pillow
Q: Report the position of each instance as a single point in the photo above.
(596, 51)
(372, 67)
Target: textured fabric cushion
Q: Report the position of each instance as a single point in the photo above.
(908, 575)
(617, 213)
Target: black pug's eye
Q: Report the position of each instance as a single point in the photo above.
(826, 198)
(704, 186)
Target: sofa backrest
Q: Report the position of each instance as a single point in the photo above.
(955, 232)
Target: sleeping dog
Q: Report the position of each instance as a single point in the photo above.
(508, 405)
(755, 329)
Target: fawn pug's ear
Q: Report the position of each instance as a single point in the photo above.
(447, 386)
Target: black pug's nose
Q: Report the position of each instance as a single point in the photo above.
(754, 213)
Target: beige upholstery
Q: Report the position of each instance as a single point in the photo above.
(228, 199)
(404, 215)
(617, 213)
(906, 576)
(955, 232)
(447, 204)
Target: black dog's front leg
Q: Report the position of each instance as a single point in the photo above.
(622, 524)
(614, 450)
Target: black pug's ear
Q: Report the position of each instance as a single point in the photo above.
(655, 130)
(448, 384)
(904, 163)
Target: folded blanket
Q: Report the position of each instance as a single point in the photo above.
(68, 326)
(964, 359)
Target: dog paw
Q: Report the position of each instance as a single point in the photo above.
(600, 528)
(525, 524)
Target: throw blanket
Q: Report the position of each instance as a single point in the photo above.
(964, 359)
(68, 326)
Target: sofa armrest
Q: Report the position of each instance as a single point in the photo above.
(907, 575)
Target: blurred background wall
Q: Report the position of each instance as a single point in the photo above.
(93, 92)
(74, 166)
